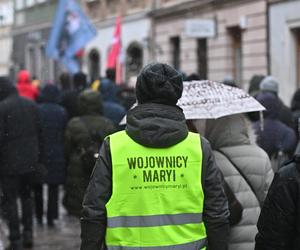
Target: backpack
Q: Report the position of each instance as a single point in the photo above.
(89, 152)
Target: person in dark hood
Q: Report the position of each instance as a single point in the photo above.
(279, 221)
(131, 197)
(270, 85)
(69, 97)
(19, 147)
(24, 86)
(53, 120)
(274, 136)
(79, 133)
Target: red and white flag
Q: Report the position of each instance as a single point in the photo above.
(115, 58)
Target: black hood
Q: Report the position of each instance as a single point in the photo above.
(156, 125)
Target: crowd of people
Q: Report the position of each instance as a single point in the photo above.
(47, 134)
(50, 135)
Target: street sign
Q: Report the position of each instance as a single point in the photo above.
(200, 28)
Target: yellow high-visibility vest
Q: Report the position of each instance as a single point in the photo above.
(157, 196)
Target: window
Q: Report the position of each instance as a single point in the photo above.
(175, 50)
(134, 59)
(202, 58)
(236, 48)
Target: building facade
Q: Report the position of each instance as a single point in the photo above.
(6, 22)
(284, 37)
(216, 39)
(32, 25)
(136, 27)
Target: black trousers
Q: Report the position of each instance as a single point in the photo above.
(52, 211)
(14, 187)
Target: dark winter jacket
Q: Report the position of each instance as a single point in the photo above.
(279, 222)
(111, 107)
(76, 138)
(53, 118)
(19, 132)
(275, 135)
(157, 126)
(24, 86)
(69, 100)
(247, 170)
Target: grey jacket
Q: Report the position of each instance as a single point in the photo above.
(157, 126)
(247, 170)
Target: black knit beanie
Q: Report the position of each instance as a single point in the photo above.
(159, 83)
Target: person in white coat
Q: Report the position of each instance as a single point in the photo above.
(247, 171)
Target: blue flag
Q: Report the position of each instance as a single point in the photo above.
(71, 31)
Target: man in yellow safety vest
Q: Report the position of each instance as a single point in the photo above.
(155, 185)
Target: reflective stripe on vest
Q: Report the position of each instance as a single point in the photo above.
(153, 220)
(157, 196)
(200, 244)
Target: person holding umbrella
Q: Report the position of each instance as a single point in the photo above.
(155, 185)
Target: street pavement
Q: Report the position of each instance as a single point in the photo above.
(65, 235)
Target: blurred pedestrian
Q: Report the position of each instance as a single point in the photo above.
(112, 109)
(81, 131)
(155, 185)
(270, 85)
(69, 98)
(279, 221)
(193, 77)
(254, 84)
(247, 171)
(19, 126)
(229, 81)
(275, 137)
(65, 82)
(295, 108)
(24, 86)
(53, 120)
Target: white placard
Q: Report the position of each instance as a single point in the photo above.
(200, 28)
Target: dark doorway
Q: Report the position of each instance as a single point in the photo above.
(175, 47)
(202, 58)
(94, 64)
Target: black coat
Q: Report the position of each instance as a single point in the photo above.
(19, 126)
(279, 222)
(53, 118)
(77, 136)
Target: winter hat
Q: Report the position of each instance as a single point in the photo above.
(159, 83)
(269, 84)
